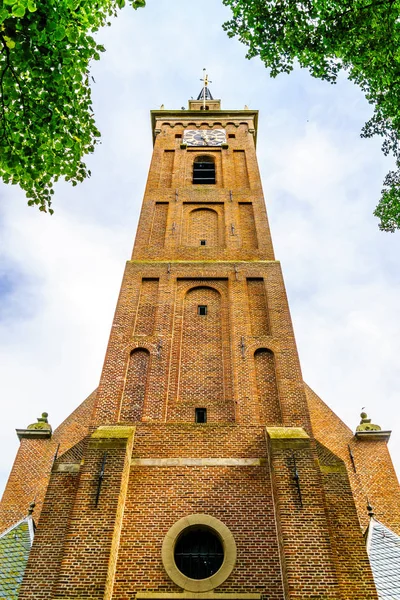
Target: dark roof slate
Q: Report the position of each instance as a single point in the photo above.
(383, 548)
(15, 544)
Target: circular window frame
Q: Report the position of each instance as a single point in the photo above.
(168, 553)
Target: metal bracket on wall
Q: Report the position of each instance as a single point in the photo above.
(352, 459)
(173, 227)
(230, 195)
(242, 347)
(296, 477)
(100, 479)
(55, 455)
(236, 269)
(159, 347)
(232, 229)
(176, 195)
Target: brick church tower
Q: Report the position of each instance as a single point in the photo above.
(202, 466)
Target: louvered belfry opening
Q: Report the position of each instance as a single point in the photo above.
(204, 170)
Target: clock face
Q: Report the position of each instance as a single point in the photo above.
(204, 137)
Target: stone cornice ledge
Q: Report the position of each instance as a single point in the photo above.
(34, 434)
(196, 595)
(373, 435)
(113, 431)
(287, 437)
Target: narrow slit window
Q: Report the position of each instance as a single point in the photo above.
(231, 135)
(178, 136)
(203, 242)
(200, 415)
(202, 310)
(204, 170)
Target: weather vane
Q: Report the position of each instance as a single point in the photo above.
(205, 81)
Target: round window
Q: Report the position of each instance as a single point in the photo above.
(198, 552)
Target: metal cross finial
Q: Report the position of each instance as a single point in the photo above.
(205, 81)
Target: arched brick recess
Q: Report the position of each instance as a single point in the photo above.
(200, 361)
(258, 307)
(203, 225)
(135, 385)
(159, 224)
(201, 369)
(248, 232)
(241, 173)
(147, 309)
(267, 388)
(167, 168)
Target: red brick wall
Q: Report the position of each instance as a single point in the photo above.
(258, 308)
(28, 480)
(136, 386)
(203, 225)
(201, 361)
(30, 474)
(239, 496)
(148, 306)
(241, 173)
(375, 479)
(167, 168)
(267, 388)
(248, 233)
(158, 225)
(46, 555)
(348, 544)
(259, 503)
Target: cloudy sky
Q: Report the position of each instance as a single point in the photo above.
(60, 275)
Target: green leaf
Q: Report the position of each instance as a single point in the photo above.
(9, 42)
(72, 34)
(18, 10)
(59, 33)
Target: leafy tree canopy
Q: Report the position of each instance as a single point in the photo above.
(46, 119)
(361, 37)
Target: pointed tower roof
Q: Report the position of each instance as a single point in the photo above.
(205, 94)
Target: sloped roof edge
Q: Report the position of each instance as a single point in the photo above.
(31, 527)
